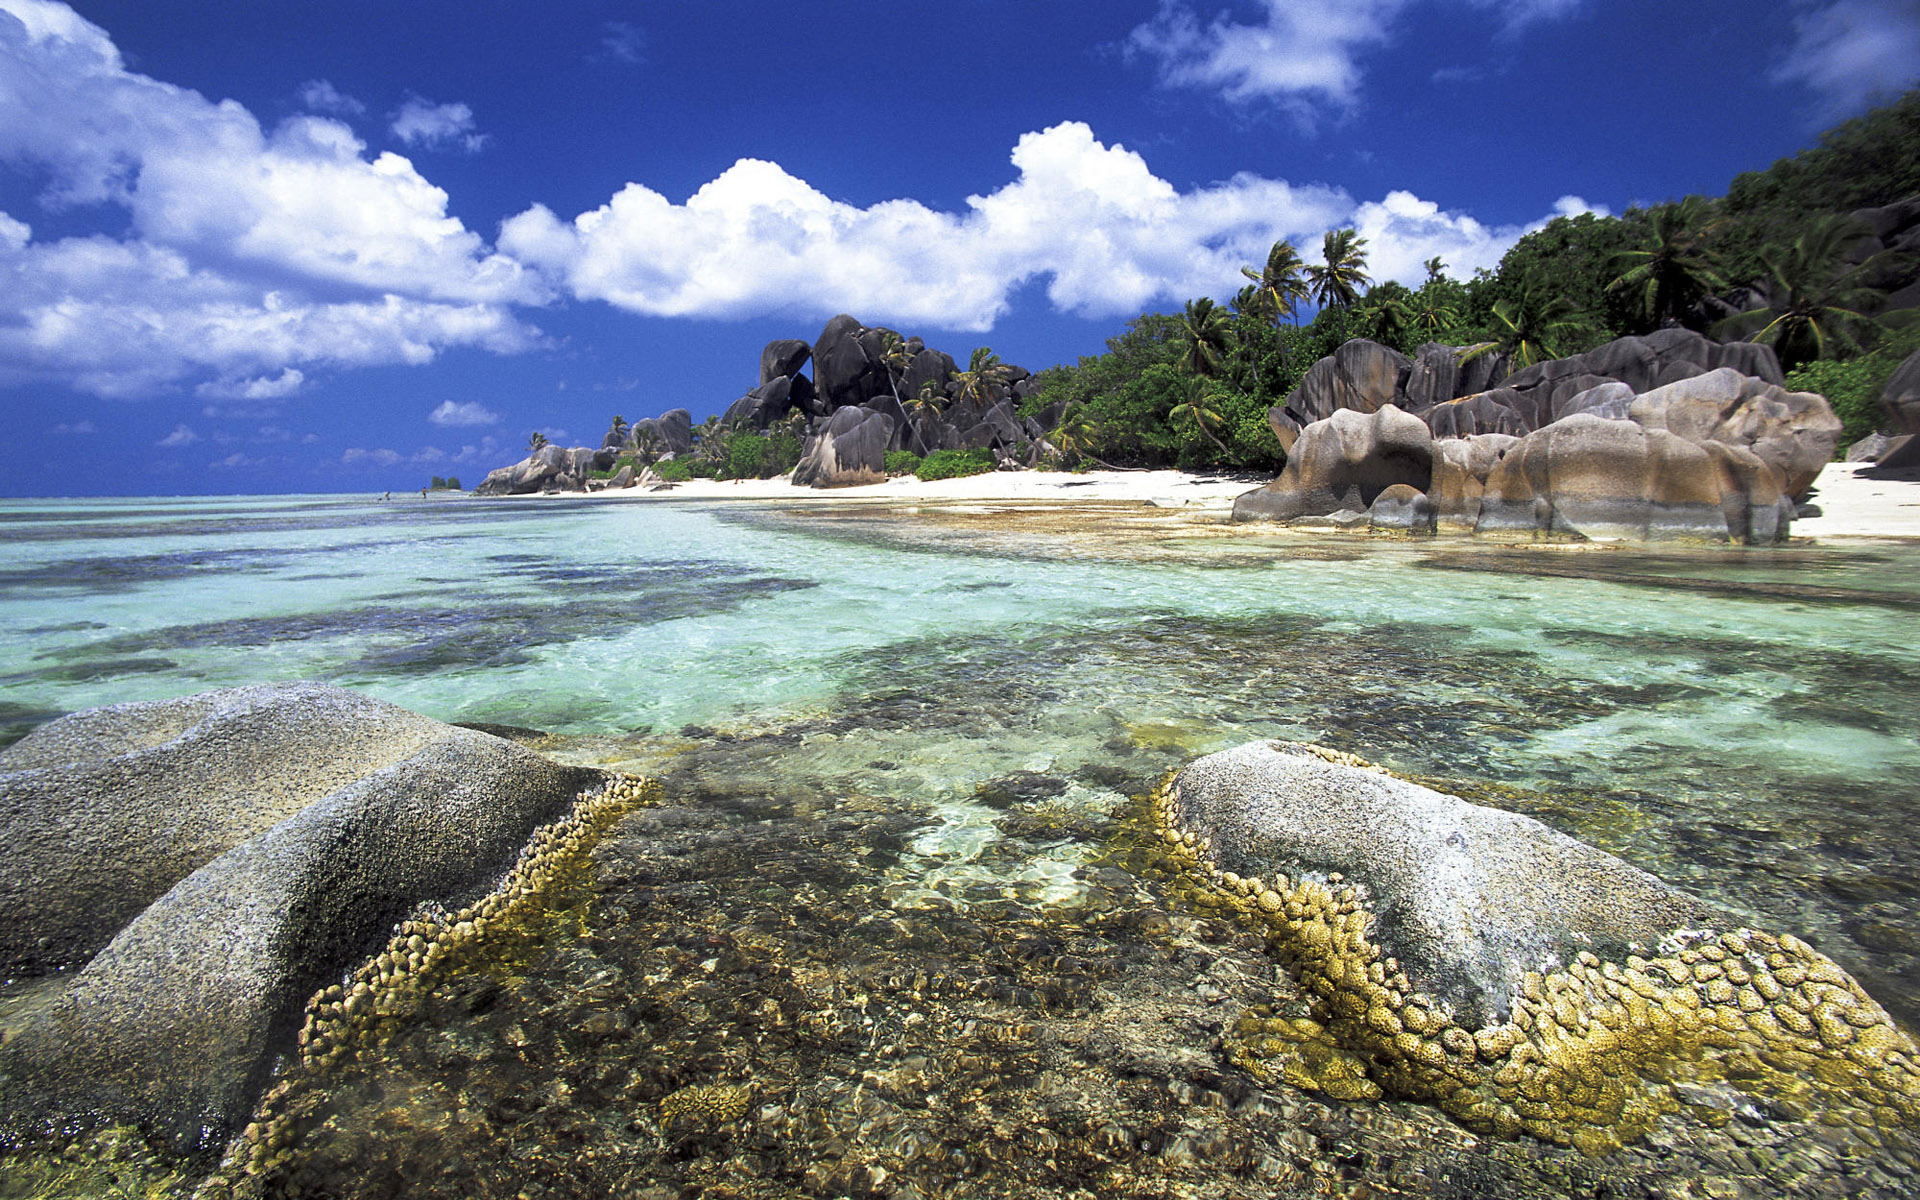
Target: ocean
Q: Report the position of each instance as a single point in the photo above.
(950, 716)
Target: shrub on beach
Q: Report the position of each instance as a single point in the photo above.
(674, 470)
(952, 464)
(902, 462)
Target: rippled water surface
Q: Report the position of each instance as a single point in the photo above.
(917, 726)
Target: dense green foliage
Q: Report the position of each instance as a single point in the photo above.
(952, 464)
(760, 456)
(902, 462)
(450, 484)
(1769, 262)
(1854, 386)
(674, 470)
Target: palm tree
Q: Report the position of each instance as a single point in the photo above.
(537, 442)
(896, 358)
(1279, 286)
(1388, 313)
(1526, 326)
(984, 371)
(1433, 310)
(1340, 282)
(1203, 333)
(619, 429)
(1076, 436)
(923, 409)
(1195, 410)
(1436, 269)
(1816, 298)
(648, 443)
(1677, 270)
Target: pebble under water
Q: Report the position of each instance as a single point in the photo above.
(894, 927)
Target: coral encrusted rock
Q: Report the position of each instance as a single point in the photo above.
(1523, 981)
(211, 860)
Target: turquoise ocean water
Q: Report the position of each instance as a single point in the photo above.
(1741, 723)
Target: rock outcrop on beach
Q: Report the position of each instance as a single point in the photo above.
(856, 368)
(850, 449)
(207, 862)
(1343, 463)
(1522, 980)
(1666, 436)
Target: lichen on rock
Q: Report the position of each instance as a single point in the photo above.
(1589, 1051)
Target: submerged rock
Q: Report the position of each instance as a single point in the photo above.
(218, 857)
(1522, 980)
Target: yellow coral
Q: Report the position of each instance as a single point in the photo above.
(1587, 1054)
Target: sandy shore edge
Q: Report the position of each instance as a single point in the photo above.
(1855, 502)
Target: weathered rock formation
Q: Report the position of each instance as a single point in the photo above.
(1642, 438)
(208, 862)
(850, 449)
(1521, 980)
(855, 367)
(1344, 463)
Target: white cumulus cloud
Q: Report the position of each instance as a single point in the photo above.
(470, 412)
(322, 97)
(1854, 53)
(181, 436)
(1108, 235)
(420, 122)
(264, 387)
(358, 456)
(1302, 54)
(246, 251)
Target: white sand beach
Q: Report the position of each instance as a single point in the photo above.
(1854, 503)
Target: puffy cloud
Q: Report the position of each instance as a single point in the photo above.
(263, 387)
(237, 461)
(471, 412)
(322, 97)
(1108, 234)
(1854, 53)
(127, 319)
(1303, 54)
(249, 256)
(420, 122)
(181, 436)
(1304, 48)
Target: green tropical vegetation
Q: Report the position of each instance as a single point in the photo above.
(1773, 260)
(451, 483)
(1778, 259)
(952, 464)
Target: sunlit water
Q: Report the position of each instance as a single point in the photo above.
(1742, 724)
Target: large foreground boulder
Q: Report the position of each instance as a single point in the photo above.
(212, 860)
(1521, 980)
(1429, 861)
(1343, 464)
(1795, 431)
(1621, 481)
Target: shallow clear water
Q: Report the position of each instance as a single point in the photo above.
(1741, 723)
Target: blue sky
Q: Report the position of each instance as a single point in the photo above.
(258, 245)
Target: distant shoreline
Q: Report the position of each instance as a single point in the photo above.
(1854, 504)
